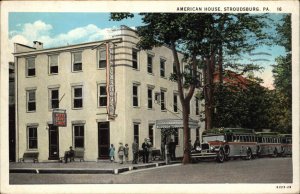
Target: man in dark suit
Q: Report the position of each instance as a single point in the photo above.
(145, 147)
(172, 149)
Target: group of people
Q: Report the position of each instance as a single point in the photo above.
(123, 152)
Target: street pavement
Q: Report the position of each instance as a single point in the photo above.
(262, 170)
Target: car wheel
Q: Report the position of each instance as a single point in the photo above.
(221, 156)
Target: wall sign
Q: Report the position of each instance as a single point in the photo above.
(59, 117)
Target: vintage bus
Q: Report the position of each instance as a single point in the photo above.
(225, 143)
(286, 143)
(269, 144)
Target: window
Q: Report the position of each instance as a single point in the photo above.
(53, 64)
(134, 59)
(162, 100)
(135, 93)
(136, 127)
(54, 98)
(77, 97)
(31, 101)
(175, 102)
(78, 136)
(102, 58)
(77, 61)
(30, 64)
(150, 64)
(102, 95)
(32, 137)
(174, 67)
(150, 98)
(197, 106)
(162, 67)
(150, 133)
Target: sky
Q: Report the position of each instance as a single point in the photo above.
(65, 28)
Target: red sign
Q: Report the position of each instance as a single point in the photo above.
(59, 118)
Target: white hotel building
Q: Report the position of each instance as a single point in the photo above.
(109, 97)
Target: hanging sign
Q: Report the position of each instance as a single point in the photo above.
(110, 80)
(59, 117)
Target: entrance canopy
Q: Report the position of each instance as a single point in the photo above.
(175, 123)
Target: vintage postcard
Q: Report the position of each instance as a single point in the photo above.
(149, 97)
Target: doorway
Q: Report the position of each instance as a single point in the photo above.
(103, 140)
(53, 143)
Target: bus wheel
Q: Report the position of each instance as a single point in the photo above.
(221, 156)
(248, 154)
(258, 152)
(275, 153)
(227, 152)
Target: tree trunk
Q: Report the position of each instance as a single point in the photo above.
(186, 134)
(209, 92)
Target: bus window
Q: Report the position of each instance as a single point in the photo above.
(229, 138)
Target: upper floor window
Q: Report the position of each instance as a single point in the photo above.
(77, 61)
(32, 138)
(102, 95)
(150, 97)
(162, 67)
(30, 66)
(175, 102)
(77, 96)
(54, 98)
(174, 68)
(78, 135)
(162, 100)
(53, 64)
(31, 100)
(134, 59)
(150, 63)
(135, 95)
(102, 58)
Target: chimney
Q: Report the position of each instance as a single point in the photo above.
(38, 45)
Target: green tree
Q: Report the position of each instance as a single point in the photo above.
(200, 37)
(282, 73)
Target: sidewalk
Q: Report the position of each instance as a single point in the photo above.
(100, 167)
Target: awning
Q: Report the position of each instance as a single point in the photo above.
(175, 123)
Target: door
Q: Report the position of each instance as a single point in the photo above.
(53, 143)
(103, 140)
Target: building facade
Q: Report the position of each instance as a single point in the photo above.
(110, 91)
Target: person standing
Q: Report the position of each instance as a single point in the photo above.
(135, 152)
(121, 152)
(197, 144)
(150, 149)
(162, 148)
(126, 152)
(172, 149)
(112, 153)
(145, 151)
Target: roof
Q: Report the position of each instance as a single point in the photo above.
(175, 123)
(216, 131)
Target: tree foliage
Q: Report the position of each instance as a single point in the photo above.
(282, 73)
(204, 39)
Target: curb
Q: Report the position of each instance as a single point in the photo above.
(84, 170)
